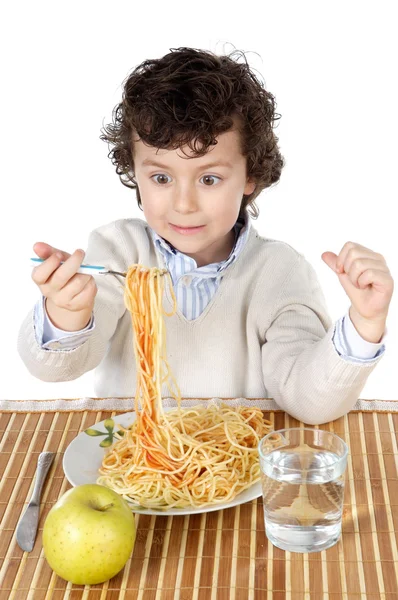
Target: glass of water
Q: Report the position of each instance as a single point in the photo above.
(303, 476)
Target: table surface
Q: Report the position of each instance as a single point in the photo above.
(218, 555)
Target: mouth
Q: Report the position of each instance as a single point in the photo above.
(184, 230)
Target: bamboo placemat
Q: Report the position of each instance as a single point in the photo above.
(222, 555)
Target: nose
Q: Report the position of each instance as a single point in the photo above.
(185, 200)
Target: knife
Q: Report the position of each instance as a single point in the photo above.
(27, 526)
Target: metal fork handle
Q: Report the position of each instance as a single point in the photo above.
(163, 272)
(112, 273)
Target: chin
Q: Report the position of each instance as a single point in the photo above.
(191, 245)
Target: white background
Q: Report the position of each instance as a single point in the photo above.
(332, 69)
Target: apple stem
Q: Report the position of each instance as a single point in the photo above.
(103, 508)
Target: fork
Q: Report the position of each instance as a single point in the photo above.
(91, 269)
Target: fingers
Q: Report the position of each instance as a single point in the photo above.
(78, 286)
(351, 252)
(44, 251)
(42, 273)
(361, 265)
(65, 272)
(86, 296)
(77, 294)
(52, 269)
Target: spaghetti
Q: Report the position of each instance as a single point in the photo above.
(184, 457)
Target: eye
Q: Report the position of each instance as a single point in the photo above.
(210, 177)
(159, 175)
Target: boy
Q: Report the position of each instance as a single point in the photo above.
(194, 136)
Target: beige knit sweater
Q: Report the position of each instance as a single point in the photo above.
(266, 332)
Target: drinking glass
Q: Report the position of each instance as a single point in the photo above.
(303, 476)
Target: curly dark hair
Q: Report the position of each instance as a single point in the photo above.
(191, 96)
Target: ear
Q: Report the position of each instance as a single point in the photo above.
(249, 188)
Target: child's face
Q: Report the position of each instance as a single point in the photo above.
(188, 193)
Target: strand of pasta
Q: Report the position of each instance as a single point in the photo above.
(184, 457)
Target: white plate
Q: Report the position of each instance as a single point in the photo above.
(83, 459)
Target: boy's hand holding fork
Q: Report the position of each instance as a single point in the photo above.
(69, 295)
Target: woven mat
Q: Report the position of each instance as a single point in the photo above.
(222, 555)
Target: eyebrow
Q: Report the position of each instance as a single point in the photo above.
(221, 163)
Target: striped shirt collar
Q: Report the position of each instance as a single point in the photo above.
(169, 252)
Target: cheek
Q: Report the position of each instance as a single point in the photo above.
(151, 203)
(149, 209)
(225, 211)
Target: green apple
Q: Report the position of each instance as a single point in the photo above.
(89, 534)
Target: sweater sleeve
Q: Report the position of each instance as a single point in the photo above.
(303, 371)
(68, 364)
